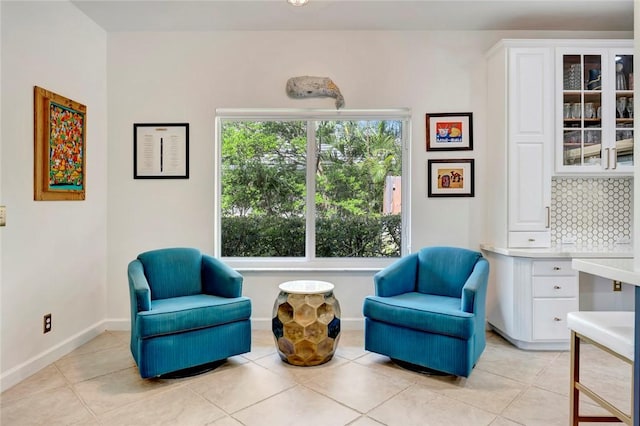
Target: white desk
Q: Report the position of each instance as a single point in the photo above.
(620, 270)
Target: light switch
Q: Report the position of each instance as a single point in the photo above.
(3, 216)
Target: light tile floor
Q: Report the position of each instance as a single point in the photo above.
(98, 384)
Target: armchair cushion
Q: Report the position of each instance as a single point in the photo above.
(444, 270)
(175, 272)
(423, 312)
(188, 313)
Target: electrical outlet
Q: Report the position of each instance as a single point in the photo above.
(3, 216)
(47, 325)
(617, 286)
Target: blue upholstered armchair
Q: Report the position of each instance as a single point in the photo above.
(429, 310)
(186, 311)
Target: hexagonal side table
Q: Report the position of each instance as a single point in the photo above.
(306, 322)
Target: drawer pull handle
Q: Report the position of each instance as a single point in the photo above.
(556, 268)
(556, 319)
(531, 240)
(556, 287)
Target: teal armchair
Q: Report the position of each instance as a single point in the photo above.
(429, 310)
(187, 310)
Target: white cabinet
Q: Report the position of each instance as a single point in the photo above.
(520, 123)
(594, 107)
(528, 300)
(554, 294)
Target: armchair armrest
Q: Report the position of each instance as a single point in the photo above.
(397, 278)
(220, 279)
(474, 290)
(138, 287)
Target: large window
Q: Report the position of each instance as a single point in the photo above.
(311, 186)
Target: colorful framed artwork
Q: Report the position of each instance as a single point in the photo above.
(450, 178)
(449, 131)
(161, 151)
(59, 147)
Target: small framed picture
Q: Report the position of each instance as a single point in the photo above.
(161, 151)
(449, 131)
(450, 178)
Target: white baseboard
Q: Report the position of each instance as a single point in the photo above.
(31, 366)
(114, 324)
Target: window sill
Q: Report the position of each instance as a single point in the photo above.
(305, 265)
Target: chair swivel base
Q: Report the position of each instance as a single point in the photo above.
(419, 368)
(193, 371)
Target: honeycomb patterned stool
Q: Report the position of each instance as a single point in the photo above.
(306, 322)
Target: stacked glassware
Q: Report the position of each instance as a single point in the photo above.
(573, 77)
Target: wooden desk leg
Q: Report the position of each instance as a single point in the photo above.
(635, 407)
(574, 396)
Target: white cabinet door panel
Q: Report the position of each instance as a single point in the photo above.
(528, 200)
(527, 96)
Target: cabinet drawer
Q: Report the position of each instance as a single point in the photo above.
(555, 287)
(553, 268)
(550, 318)
(530, 239)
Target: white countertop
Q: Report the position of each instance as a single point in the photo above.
(614, 269)
(623, 251)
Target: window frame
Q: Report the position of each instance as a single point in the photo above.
(310, 262)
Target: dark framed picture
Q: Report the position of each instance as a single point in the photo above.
(450, 178)
(59, 147)
(161, 151)
(449, 131)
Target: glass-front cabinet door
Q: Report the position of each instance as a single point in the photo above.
(623, 150)
(595, 130)
(582, 110)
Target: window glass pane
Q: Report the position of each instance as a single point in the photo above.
(263, 179)
(358, 188)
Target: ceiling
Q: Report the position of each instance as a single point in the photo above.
(212, 15)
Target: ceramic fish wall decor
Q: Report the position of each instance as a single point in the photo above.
(313, 87)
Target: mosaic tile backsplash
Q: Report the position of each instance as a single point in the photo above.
(592, 211)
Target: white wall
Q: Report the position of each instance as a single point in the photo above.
(53, 252)
(184, 77)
